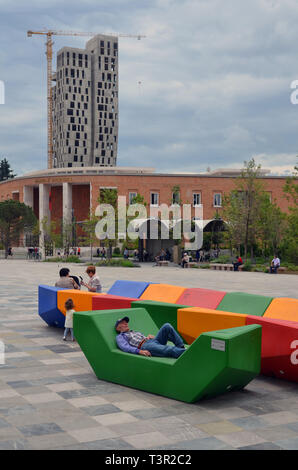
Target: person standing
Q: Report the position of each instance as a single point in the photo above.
(68, 319)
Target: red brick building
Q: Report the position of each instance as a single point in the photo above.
(71, 192)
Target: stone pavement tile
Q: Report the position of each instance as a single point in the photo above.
(287, 403)
(155, 400)
(9, 433)
(293, 426)
(199, 417)
(241, 438)
(177, 430)
(92, 434)
(275, 433)
(51, 441)
(208, 443)
(100, 409)
(129, 429)
(115, 418)
(20, 420)
(35, 389)
(7, 393)
(282, 417)
(39, 429)
(42, 353)
(72, 355)
(63, 387)
(72, 447)
(288, 444)
(3, 423)
(250, 423)
(19, 406)
(105, 388)
(50, 362)
(15, 444)
(219, 427)
(77, 393)
(133, 405)
(51, 380)
(147, 440)
(71, 372)
(232, 412)
(59, 408)
(19, 384)
(17, 354)
(75, 422)
(109, 444)
(85, 379)
(87, 401)
(122, 396)
(64, 348)
(262, 446)
(45, 341)
(42, 397)
(150, 413)
(260, 407)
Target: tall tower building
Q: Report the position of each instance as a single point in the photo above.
(85, 104)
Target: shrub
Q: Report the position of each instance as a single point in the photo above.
(60, 259)
(247, 266)
(118, 263)
(222, 259)
(204, 266)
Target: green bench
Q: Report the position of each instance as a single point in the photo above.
(214, 363)
(249, 304)
(160, 312)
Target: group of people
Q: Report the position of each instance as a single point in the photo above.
(66, 281)
(127, 340)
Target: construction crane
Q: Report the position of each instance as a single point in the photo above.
(49, 54)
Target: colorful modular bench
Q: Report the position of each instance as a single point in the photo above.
(194, 312)
(214, 363)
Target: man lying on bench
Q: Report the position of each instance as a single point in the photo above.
(136, 343)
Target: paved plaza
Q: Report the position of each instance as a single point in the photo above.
(51, 399)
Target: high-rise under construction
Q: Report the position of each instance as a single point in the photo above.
(85, 104)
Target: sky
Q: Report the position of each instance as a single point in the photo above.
(208, 87)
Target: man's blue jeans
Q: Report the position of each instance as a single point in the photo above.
(158, 346)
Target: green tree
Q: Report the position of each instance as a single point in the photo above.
(52, 236)
(241, 207)
(5, 170)
(109, 196)
(290, 242)
(89, 238)
(176, 195)
(271, 226)
(139, 199)
(15, 218)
